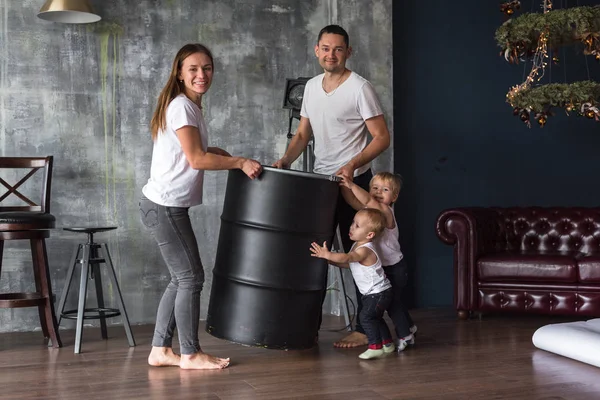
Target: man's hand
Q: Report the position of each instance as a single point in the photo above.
(347, 171)
(319, 251)
(281, 164)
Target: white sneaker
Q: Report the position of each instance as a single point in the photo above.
(413, 329)
(404, 342)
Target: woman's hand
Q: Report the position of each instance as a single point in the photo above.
(319, 251)
(252, 168)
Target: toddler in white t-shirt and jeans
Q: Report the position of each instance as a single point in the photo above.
(367, 271)
(384, 189)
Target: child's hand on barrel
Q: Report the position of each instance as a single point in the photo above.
(319, 251)
(346, 181)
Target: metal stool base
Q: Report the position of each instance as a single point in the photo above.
(92, 313)
(93, 255)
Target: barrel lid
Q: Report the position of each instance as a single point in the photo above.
(303, 174)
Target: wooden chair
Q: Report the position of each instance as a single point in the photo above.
(29, 222)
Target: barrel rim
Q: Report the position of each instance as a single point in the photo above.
(295, 172)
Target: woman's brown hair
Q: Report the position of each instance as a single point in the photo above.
(174, 88)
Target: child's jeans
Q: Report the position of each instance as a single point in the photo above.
(371, 317)
(397, 274)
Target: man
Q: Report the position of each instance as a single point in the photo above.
(340, 109)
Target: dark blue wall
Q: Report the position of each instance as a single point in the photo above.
(456, 141)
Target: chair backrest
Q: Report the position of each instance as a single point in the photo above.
(33, 164)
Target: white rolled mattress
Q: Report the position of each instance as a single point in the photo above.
(577, 340)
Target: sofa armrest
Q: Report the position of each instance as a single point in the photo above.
(473, 231)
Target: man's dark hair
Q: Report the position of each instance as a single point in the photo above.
(336, 29)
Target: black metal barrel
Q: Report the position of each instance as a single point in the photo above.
(267, 289)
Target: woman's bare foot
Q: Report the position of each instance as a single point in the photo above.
(202, 360)
(355, 339)
(163, 357)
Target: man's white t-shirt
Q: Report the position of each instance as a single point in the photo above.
(173, 182)
(338, 119)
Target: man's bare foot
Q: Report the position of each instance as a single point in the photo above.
(355, 339)
(163, 357)
(202, 360)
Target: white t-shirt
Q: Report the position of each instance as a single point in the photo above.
(388, 246)
(338, 119)
(173, 182)
(370, 279)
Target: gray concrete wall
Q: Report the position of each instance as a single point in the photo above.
(85, 94)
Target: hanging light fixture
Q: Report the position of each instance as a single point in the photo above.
(68, 12)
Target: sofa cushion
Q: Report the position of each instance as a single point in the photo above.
(589, 268)
(528, 266)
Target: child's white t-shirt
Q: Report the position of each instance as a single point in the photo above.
(388, 246)
(173, 182)
(370, 279)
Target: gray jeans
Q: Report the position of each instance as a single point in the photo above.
(180, 304)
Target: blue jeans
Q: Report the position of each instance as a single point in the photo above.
(398, 277)
(371, 317)
(397, 274)
(180, 304)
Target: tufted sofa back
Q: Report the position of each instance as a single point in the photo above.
(553, 229)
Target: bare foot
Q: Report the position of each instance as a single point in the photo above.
(202, 360)
(163, 357)
(355, 339)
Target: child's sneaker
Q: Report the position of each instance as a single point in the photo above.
(389, 348)
(404, 342)
(371, 353)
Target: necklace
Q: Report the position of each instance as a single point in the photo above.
(339, 81)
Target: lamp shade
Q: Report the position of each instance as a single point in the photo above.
(68, 12)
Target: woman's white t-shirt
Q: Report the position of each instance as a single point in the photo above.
(173, 182)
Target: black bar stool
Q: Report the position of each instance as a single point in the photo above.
(92, 256)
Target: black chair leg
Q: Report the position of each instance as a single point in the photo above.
(113, 277)
(85, 270)
(67, 286)
(100, 298)
(42, 275)
(1, 254)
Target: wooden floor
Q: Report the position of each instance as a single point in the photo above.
(492, 358)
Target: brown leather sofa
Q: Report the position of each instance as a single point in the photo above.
(525, 259)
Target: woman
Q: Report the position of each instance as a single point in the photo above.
(179, 159)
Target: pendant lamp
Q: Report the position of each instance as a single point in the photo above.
(68, 12)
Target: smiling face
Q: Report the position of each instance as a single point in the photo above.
(196, 73)
(332, 52)
(382, 191)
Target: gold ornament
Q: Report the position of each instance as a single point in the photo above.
(590, 113)
(542, 121)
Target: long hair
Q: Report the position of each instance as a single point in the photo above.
(174, 88)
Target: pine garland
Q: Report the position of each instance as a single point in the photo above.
(541, 98)
(564, 27)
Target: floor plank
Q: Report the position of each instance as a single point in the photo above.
(491, 358)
